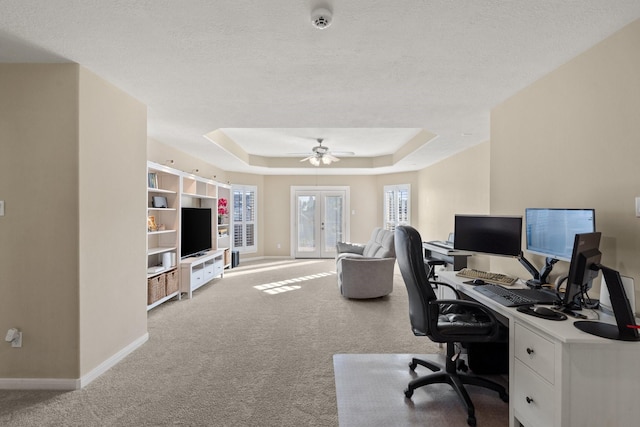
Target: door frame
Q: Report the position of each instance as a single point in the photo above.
(292, 209)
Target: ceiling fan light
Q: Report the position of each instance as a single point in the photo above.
(314, 161)
(326, 160)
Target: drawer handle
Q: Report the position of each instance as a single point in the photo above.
(529, 400)
(529, 351)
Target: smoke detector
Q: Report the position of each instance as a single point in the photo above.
(321, 18)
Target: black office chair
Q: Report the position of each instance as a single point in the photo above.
(443, 321)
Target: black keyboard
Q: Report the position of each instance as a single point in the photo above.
(516, 297)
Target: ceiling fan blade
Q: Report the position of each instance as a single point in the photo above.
(307, 158)
(332, 157)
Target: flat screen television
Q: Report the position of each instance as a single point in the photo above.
(196, 231)
(493, 235)
(583, 269)
(551, 232)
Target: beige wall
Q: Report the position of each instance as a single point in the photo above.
(571, 139)
(39, 232)
(112, 196)
(72, 240)
(456, 185)
(277, 207)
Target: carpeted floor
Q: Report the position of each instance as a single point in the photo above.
(252, 349)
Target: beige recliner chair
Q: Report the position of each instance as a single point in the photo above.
(366, 270)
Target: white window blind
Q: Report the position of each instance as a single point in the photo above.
(245, 218)
(397, 206)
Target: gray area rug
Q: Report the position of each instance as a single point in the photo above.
(370, 392)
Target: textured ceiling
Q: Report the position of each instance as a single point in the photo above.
(381, 72)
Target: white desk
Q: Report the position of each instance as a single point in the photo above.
(560, 376)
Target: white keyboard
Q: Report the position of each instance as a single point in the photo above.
(496, 278)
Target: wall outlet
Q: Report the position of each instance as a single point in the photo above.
(17, 341)
(278, 245)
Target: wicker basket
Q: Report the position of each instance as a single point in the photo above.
(157, 288)
(172, 282)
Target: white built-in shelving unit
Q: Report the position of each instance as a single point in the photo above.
(181, 189)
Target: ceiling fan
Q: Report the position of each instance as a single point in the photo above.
(321, 154)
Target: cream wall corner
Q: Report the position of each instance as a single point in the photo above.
(73, 235)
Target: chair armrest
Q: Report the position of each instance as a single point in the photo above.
(355, 248)
(435, 284)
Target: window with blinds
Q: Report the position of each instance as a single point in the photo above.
(397, 206)
(245, 218)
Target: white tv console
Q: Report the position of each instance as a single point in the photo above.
(197, 271)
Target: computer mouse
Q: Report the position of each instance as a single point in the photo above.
(478, 282)
(544, 311)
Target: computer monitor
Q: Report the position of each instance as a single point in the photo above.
(585, 258)
(493, 235)
(550, 232)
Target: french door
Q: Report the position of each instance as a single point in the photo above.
(320, 221)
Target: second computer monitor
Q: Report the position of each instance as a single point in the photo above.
(583, 269)
(494, 235)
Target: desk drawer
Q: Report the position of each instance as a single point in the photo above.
(535, 351)
(533, 398)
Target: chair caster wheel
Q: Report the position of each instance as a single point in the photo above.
(471, 421)
(408, 393)
(412, 366)
(461, 365)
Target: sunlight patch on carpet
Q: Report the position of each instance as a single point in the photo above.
(261, 268)
(289, 284)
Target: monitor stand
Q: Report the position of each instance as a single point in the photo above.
(540, 278)
(605, 330)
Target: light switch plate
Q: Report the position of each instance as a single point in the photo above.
(637, 207)
(2, 207)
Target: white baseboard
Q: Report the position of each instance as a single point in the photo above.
(259, 258)
(39, 384)
(70, 383)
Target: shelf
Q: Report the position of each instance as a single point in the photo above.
(160, 190)
(199, 196)
(161, 300)
(160, 232)
(161, 209)
(156, 273)
(159, 250)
